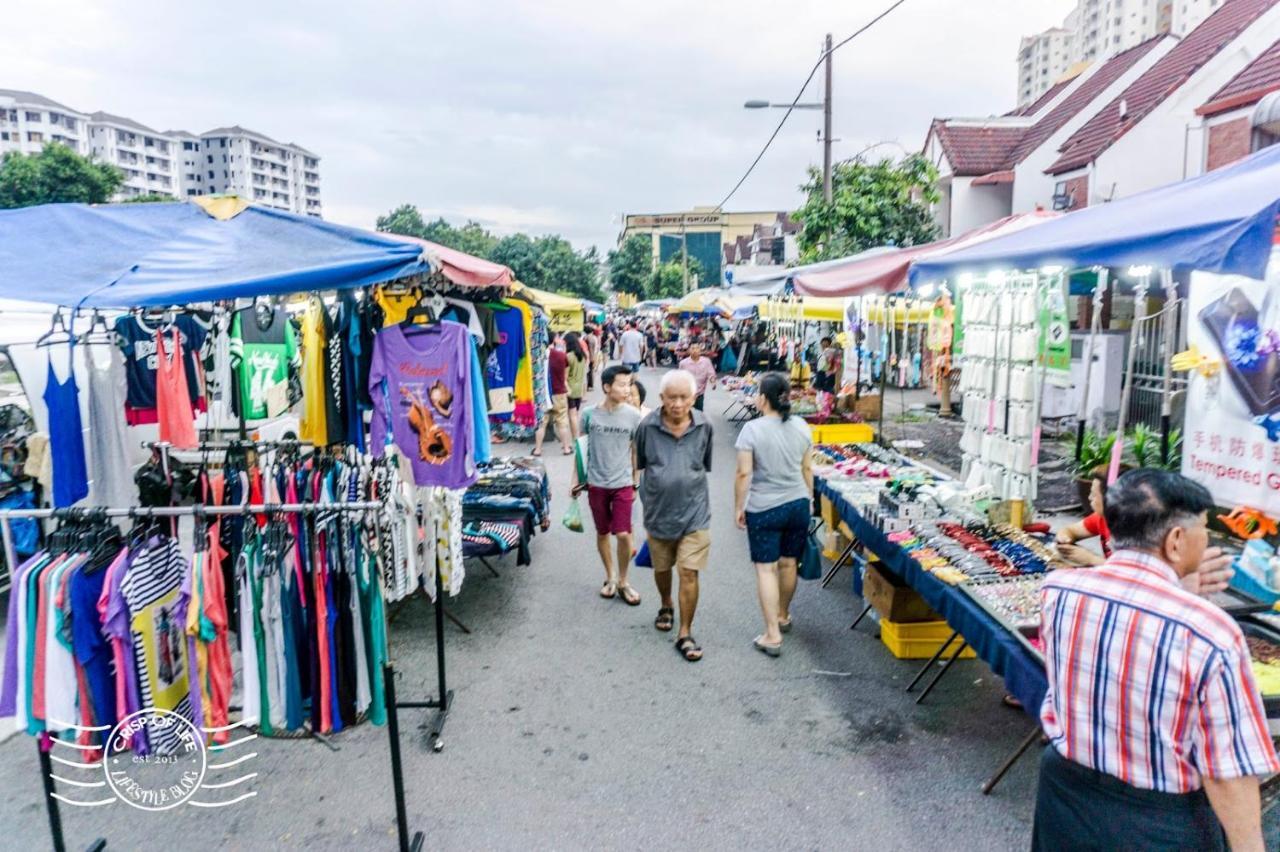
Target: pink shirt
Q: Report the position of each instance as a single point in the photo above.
(703, 371)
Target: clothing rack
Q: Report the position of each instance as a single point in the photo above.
(441, 704)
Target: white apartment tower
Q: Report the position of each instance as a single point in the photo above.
(1099, 29)
(1042, 59)
(1186, 15)
(228, 160)
(254, 166)
(146, 156)
(28, 121)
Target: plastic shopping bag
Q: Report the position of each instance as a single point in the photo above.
(573, 516)
(643, 560)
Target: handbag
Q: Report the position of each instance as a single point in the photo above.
(811, 563)
(573, 516)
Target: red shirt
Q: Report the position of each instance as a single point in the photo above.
(559, 363)
(1096, 524)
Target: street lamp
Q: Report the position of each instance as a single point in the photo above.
(825, 106)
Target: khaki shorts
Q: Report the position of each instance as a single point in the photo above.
(688, 553)
(560, 414)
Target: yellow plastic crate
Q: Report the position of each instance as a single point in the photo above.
(843, 433)
(919, 640)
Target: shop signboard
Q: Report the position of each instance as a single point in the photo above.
(1231, 436)
(1055, 333)
(565, 321)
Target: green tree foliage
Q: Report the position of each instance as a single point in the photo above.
(667, 280)
(873, 204)
(547, 262)
(148, 198)
(631, 265)
(56, 174)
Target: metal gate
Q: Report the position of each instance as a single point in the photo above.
(1151, 361)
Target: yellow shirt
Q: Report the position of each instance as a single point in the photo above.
(524, 375)
(313, 427)
(395, 305)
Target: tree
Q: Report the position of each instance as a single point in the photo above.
(406, 220)
(148, 198)
(667, 280)
(631, 265)
(563, 270)
(518, 252)
(56, 174)
(872, 204)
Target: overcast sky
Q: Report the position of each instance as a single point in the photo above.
(542, 116)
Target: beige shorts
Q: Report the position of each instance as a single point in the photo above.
(560, 413)
(688, 553)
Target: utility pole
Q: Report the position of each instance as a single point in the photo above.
(826, 128)
(684, 251)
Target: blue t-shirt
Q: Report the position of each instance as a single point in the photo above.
(504, 361)
(136, 338)
(92, 650)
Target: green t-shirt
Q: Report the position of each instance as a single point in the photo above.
(263, 350)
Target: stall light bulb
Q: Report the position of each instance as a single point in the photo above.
(965, 280)
(1050, 270)
(926, 291)
(996, 279)
(1139, 271)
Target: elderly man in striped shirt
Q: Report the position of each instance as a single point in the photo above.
(1157, 733)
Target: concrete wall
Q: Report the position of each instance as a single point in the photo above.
(973, 206)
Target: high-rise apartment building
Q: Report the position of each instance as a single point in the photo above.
(28, 121)
(251, 165)
(146, 156)
(1042, 59)
(1095, 31)
(177, 163)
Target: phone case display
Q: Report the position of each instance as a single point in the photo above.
(1000, 320)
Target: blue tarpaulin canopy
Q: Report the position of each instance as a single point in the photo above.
(127, 255)
(1222, 221)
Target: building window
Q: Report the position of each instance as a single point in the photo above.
(210, 175)
(33, 116)
(223, 142)
(33, 136)
(210, 158)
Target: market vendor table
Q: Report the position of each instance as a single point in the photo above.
(1023, 674)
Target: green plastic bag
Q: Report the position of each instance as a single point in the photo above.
(573, 516)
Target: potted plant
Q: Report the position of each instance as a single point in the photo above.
(1144, 443)
(1095, 452)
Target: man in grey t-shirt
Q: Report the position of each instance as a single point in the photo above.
(611, 478)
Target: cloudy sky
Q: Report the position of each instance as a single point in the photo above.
(547, 116)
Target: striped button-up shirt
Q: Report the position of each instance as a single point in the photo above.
(1148, 682)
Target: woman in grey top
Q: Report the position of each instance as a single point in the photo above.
(774, 488)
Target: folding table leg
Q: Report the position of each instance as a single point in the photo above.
(861, 616)
(1011, 760)
(932, 660)
(838, 564)
(945, 666)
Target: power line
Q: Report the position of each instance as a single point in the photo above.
(800, 94)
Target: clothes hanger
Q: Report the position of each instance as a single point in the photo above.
(57, 326)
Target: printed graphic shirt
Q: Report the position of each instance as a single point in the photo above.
(263, 351)
(421, 389)
(504, 360)
(136, 337)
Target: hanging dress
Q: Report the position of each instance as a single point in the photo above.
(110, 472)
(173, 403)
(66, 437)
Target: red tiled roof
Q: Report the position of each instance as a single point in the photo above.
(977, 149)
(1038, 104)
(789, 225)
(1259, 77)
(1161, 80)
(994, 178)
(1073, 103)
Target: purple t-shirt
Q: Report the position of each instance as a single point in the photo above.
(115, 624)
(421, 385)
(9, 681)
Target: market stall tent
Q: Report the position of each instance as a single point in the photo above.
(808, 308)
(774, 282)
(127, 255)
(887, 272)
(1222, 221)
(702, 301)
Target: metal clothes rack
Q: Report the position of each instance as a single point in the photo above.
(441, 704)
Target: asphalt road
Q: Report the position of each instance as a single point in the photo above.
(576, 725)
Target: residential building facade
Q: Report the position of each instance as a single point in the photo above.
(1161, 111)
(238, 161)
(144, 155)
(29, 121)
(1042, 59)
(176, 163)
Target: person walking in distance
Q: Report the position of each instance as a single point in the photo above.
(575, 377)
(1157, 734)
(611, 478)
(592, 339)
(557, 367)
(673, 456)
(631, 348)
(703, 371)
(773, 493)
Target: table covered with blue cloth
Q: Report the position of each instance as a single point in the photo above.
(1023, 673)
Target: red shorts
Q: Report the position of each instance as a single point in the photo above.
(611, 508)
